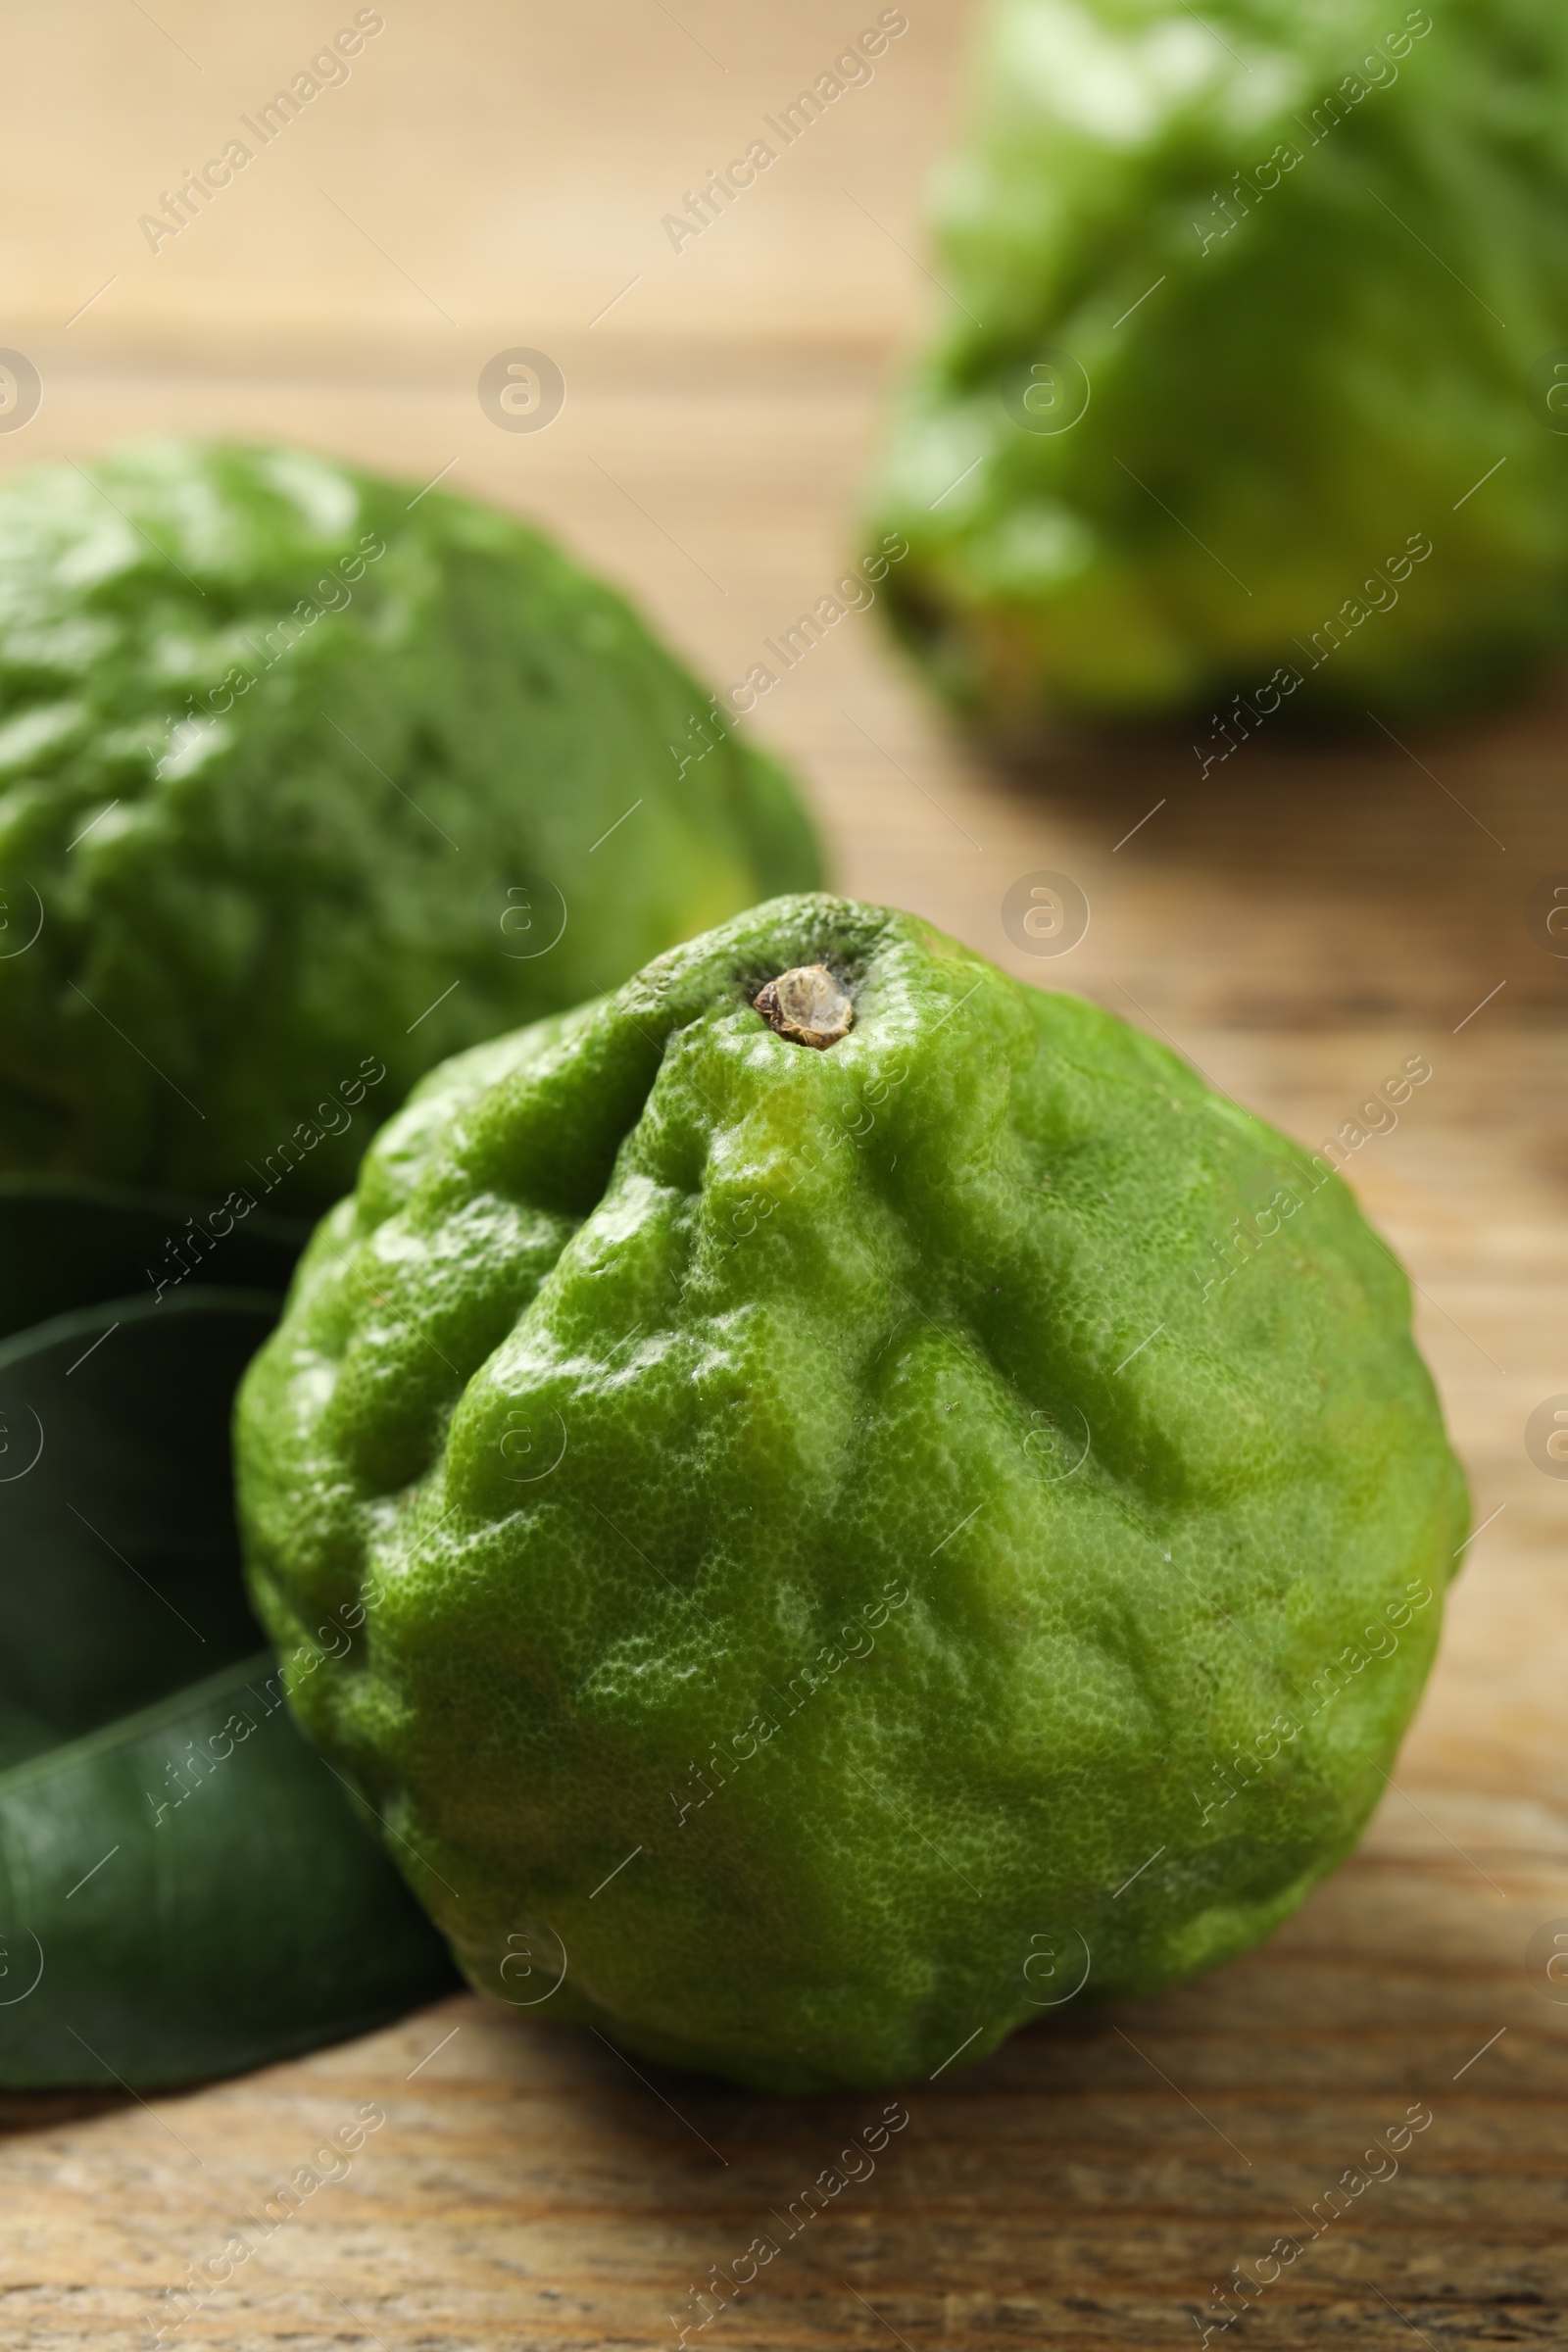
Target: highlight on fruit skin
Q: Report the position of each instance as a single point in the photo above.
(309, 778)
(821, 1557)
(1252, 393)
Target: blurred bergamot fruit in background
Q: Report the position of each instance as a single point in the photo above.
(1254, 380)
(834, 1501)
(308, 778)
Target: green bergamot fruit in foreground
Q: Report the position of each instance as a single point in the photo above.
(828, 1528)
(305, 781)
(1254, 378)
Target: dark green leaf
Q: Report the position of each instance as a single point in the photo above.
(185, 1886)
(67, 1242)
(120, 1577)
(187, 1893)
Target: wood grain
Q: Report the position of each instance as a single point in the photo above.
(1309, 917)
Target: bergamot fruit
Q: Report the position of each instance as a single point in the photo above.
(835, 1502)
(1252, 393)
(307, 779)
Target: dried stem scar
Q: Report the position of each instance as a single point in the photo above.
(807, 1005)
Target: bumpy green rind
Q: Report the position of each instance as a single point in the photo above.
(306, 781)
(826, 1545)
(1310, 266)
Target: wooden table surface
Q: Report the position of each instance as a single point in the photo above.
(1298, 926)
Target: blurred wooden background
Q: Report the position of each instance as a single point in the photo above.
(490, 177)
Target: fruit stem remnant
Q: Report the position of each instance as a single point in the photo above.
(807, 1005)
